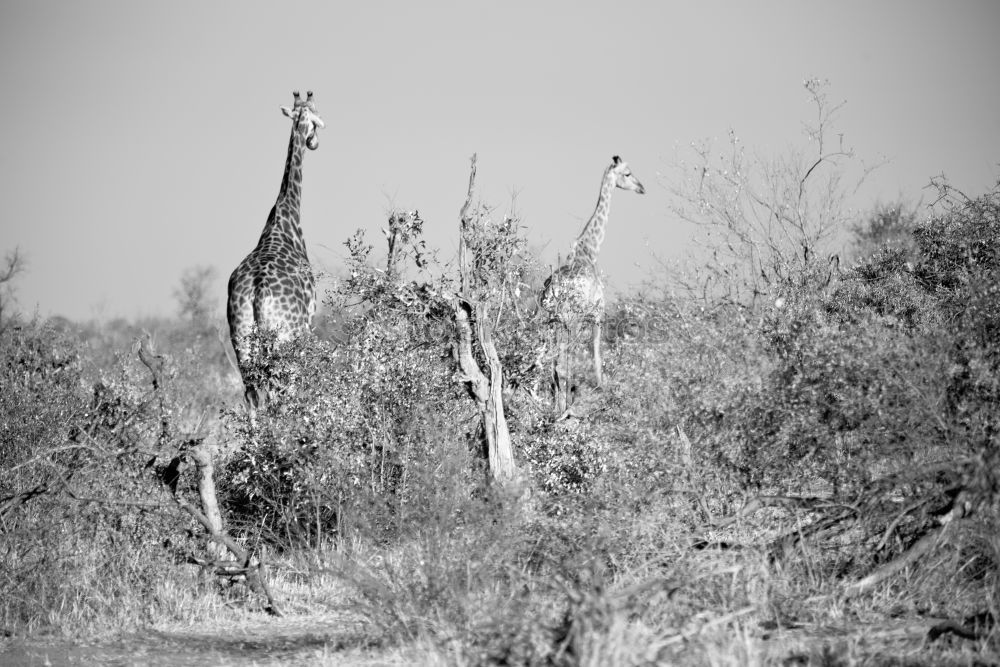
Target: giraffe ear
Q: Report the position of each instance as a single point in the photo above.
(286, 111)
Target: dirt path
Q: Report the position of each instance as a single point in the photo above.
(298, 640)
(339, 640)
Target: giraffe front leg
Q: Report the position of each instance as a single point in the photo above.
(598, 364)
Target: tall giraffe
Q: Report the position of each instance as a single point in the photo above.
(574, 293)
(273, 287)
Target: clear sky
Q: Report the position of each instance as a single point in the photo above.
(142, 138)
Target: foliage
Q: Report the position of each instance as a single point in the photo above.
(83, 520)
(960, 267)
(357, 428)
(886, 228)
(350, 441)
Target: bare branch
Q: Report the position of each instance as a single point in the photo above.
(16, 263)
(924, 545)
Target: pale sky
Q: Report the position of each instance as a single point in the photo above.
(141, 138)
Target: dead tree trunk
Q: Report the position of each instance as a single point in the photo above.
(485, 389)
(202, 455)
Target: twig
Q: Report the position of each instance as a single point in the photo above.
(108, 501)
(722, 620)
(977, 626)
(896, 521)
(799, 534)
(18, 499)
(922, 546)
(785, 502)
(47, 453)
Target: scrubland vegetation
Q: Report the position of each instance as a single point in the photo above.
(791, 461)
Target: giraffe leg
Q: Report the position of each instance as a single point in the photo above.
(255, 398)
(598, 364)
(561, 370)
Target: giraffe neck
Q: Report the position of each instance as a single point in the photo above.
(588, 244)
(284, 219)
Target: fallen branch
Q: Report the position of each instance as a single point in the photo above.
(891, 528)
(209, 517)
(758, 503)
(255, 575)
(977, 626)
(801, 533)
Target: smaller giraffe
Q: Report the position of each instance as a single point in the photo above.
(574, 293)
(273, 288)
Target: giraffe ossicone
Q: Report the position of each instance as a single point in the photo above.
(273, 289)
(574, 293)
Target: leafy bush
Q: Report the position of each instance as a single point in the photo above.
(886, 228)
(350, 441)
(359, 427)
(82, 518)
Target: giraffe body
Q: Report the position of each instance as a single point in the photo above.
(273, 288)
(574, 293)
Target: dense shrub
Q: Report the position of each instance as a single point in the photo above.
(888, 227)
(357, 432)
(837, 384)
(359, 427)
(83, 519)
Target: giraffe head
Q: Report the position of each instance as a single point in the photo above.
(623, 177)
(303, 113)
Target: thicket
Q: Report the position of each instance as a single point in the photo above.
(784, 439)
(88, 539)
(92, 539)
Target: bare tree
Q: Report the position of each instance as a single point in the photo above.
(768, 221)
(194, 294)
(15, 264)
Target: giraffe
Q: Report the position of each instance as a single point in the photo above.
(273, 287)
(574, 293)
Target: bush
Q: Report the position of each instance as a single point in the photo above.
(82, 518)
(352, 441)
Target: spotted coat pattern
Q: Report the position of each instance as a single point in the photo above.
(575, 290)
(273, 288)
(574, 293)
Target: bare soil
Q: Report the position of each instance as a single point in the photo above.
(338, 640)
(314, 639)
